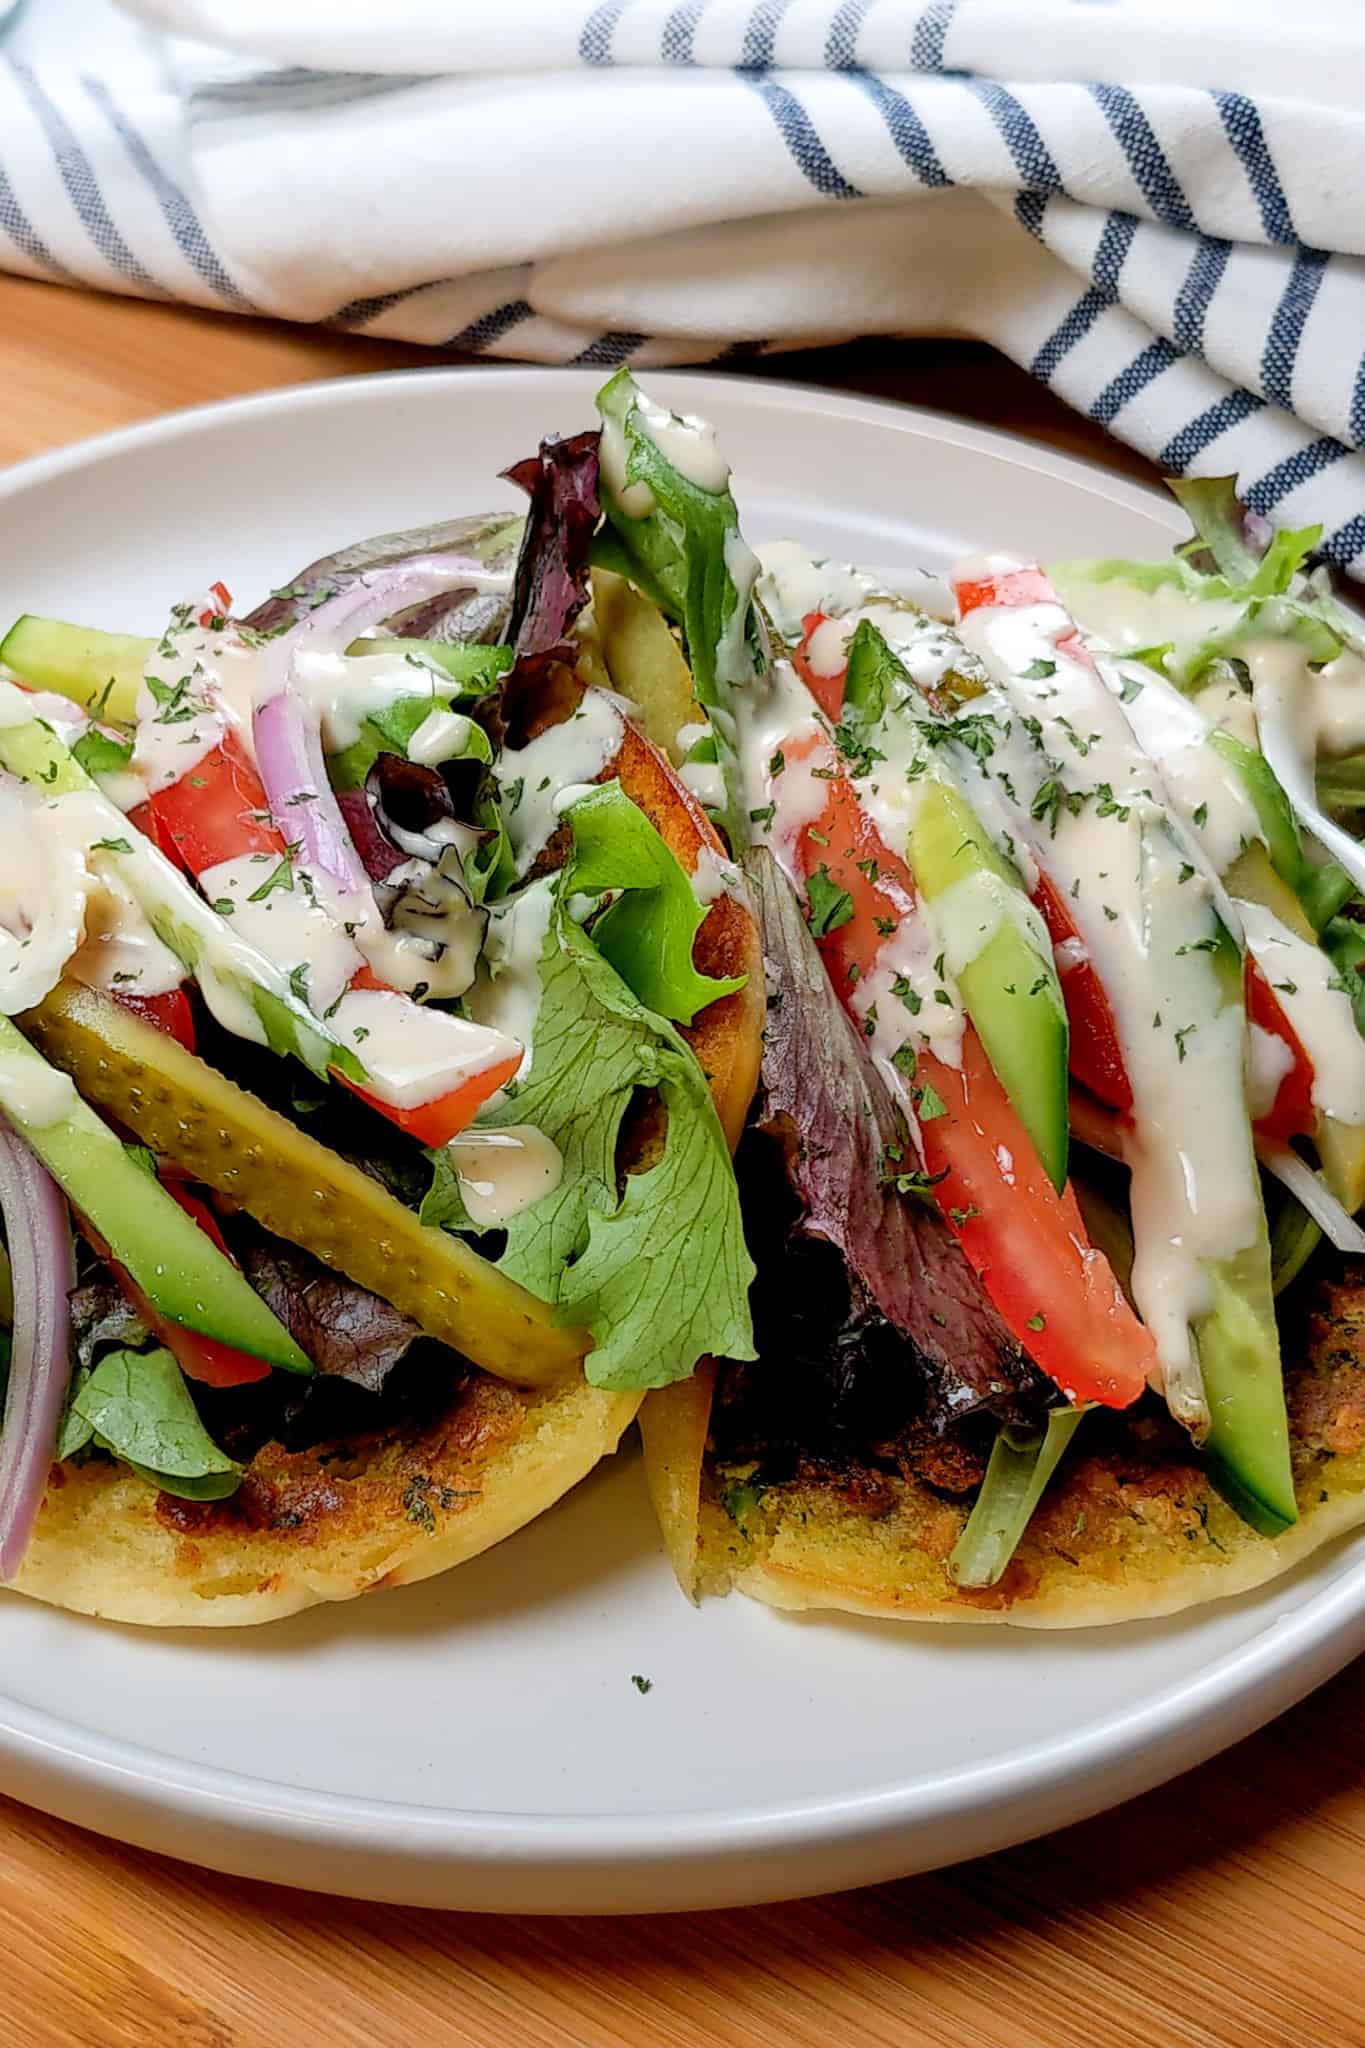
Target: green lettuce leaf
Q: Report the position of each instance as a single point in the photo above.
(657, 1271)
(686, 553)
(648, 932)
(136, 1405)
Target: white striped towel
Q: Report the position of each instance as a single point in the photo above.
(1155, 205)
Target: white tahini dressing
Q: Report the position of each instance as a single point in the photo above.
(533, 778)
(1309, 990)
(1143, 899)
(414, 1055)
(506, 990)
(503, 1171)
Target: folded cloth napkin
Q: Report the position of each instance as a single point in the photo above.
(1156, 206)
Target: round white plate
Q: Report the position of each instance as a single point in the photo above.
(479, 1741)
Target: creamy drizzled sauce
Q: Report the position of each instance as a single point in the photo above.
(1319, 1009)
(1205, 790)
(506, 990)
(534, 778)
(1143, 897)
(687, 443)
(504, 1171)
(35, 1094)
(289, 925)
(413, 1055)
(1121, 616)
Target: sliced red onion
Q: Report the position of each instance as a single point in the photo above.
(1313, 1194)
(289, 756)
(368, 601)
(43, 1264)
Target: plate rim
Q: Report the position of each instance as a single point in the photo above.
(997, 1801)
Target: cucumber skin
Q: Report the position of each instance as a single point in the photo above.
(101, 671)
(180, 1271)
(1010, 989)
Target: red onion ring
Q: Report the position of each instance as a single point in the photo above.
(38, 1229)
(289, 757)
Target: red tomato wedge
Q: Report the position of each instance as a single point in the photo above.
(1055, 1292)
(217, 811)
(1292, 1114)
(827, 690)
(1096, 1054)
(220, 811)
(205, 1359)
(170, 1012)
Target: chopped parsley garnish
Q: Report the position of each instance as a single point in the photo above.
(829, 906)
(281, 876)
(224, 906)
(1036, 1322)
(929, 1104)
(298, 981)
(1200, 815)
(1180, 1037)
(110, 846)
(1038, 671)
(905, 1060)
(642, 1685)
(777, 763)
(764, 815)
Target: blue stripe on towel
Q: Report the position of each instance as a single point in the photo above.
(675, 44)
(491, 327)
(841, 44)
(1200, 432)
(908, 133)
(1299, 468)
(1196, 294)
(1286, 327)
(1032, 158)
(1147, 160)
(82, 186)
(609, 349)
(931, 33)
(179, 215)
(1135, 377)
(799, 133)
(594, 44)
(1242, 126)
(760, 37)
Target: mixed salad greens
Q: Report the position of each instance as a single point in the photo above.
(348, 999)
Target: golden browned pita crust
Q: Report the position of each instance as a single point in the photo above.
(1130, 1530)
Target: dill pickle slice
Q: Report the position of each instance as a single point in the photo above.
(179, 1106)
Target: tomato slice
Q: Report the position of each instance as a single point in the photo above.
(1292, 1114)
(827, 690)
(1096, 1054)
(436, 1123)
(170, 1013)
(1055, 1292)
(206, 1359)
(216, 812)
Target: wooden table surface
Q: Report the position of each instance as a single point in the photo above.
(1229, 1907)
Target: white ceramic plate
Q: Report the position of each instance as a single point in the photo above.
(478, 1741)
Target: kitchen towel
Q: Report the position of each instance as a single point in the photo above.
(1156, 206)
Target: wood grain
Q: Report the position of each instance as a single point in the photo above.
(1229, 1908)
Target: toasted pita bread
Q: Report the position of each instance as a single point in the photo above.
(1131, 1529)
(385, 1510)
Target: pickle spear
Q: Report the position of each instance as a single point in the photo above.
(175, 1103)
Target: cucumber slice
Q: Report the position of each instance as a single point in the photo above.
(1009, 985)
(171, 1261)
(102, 671)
